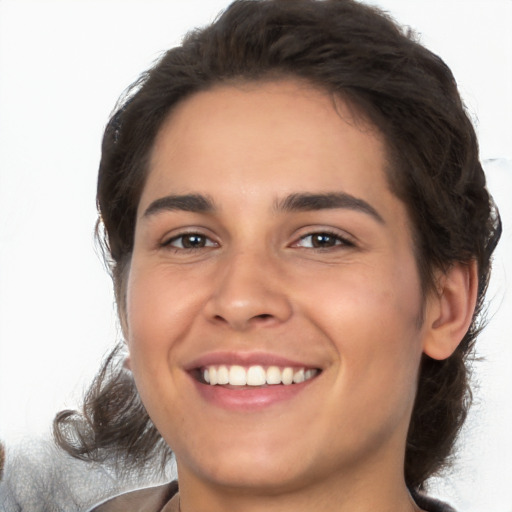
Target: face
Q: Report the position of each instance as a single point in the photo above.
(272, 260)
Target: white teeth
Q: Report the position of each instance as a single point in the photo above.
(298, 377)
(273, 375)
(256, 375)
(287, 376)
(213, 375)
(222, 375)
(237, 376)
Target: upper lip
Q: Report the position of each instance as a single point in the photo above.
(246, 359)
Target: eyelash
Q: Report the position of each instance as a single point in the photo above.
(183, 236)
(339, 241)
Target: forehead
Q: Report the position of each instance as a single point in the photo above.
(258, 142)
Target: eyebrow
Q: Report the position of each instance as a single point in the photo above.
(299, 202)
(188, 203)
(310, 202)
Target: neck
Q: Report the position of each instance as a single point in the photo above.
(374, 493)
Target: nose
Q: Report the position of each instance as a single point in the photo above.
(249, 291)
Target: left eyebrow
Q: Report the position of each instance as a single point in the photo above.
(310, 202)
(188, 202)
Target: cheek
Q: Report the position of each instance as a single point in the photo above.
(372, 296)
(379, 345)
(159, 310)
(371, 316)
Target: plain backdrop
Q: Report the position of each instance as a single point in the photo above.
(63, 65)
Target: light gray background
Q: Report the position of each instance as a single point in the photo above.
(62, 66)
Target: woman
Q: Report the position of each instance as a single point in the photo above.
(300, 238)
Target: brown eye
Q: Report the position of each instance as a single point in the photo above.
(323, 240)
(190, 241)
(193, 241)
(320, 240)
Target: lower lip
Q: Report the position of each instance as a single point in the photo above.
(248, 398)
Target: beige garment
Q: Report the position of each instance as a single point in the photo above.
(173, 505)
(152, 499)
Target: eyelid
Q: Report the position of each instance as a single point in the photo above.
(172, 237)
(344, 238)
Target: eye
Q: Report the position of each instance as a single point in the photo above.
(190, 241)
(322, 240)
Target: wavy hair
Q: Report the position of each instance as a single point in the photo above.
(360, 54)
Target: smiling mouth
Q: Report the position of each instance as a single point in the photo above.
(237, 376)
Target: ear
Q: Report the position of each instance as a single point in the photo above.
(450, 309)
(127, 363)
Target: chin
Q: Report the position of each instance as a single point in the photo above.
(246, 475)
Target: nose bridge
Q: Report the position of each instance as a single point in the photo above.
(249, 290)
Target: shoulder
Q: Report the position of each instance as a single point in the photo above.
(151, 499)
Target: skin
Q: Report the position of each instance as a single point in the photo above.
(257, 284)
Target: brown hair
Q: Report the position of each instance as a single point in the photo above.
(356, 52)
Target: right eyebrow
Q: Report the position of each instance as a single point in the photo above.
(187, 202)
(325, 201)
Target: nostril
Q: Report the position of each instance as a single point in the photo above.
(263, 316)
(243, 323)
(263, 320)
